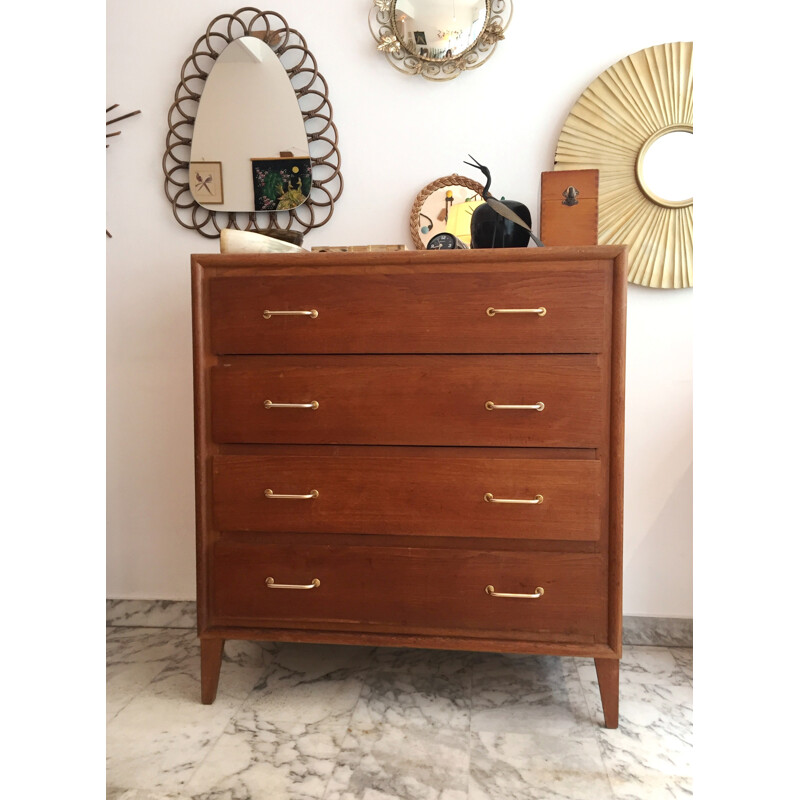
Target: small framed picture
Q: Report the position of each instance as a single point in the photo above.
(205, 180)
(419, 38)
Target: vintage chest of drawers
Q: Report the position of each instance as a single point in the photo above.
(416, 449)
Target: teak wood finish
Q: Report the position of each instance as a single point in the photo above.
(373, 510)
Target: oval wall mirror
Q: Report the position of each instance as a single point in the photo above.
(268, 126)
(634, 124)
(438, 39)
(251, 142)
(444, 206)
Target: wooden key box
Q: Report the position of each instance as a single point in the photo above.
(569, 207)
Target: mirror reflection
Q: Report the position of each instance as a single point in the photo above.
(668, 167)
(445, 206)
(249, 146)
(439, 29)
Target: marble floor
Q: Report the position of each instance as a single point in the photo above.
(304, 722)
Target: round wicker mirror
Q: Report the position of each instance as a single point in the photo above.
(444, 206)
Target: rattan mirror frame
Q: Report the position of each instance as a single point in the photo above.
(427, 191)
(311, 90)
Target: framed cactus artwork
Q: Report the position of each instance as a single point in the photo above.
(280, 184)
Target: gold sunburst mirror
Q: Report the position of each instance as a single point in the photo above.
(634, 124)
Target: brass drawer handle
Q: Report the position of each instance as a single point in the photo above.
(313, 405)
(538, 592)
(313, 314)
(272, 585)
(490, 406)
(311, 496)
(540, 311)
(490, 498)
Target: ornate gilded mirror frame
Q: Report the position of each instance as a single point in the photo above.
(311, 90)
(610, 128)
(384, 30)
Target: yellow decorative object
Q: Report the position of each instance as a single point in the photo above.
(612, 126)
(459, 218)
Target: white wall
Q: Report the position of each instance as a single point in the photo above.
(396, 134)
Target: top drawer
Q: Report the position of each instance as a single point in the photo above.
(411, 313)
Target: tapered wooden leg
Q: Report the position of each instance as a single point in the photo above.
(608, 678)
(210, 663)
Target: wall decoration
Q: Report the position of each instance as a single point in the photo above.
(117, 133)
(446, 204)
(500, 223)
(205, 178)
(438, 40)
(311, 92)
(641, 102)
(280, 184)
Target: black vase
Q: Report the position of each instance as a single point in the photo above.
(489, 229)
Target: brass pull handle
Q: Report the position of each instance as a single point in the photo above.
(540, 311)
(490, 498)
(490, 406)
(313, 494)
(312, 405)
(272, 585)
(538, 592)
(313, 314)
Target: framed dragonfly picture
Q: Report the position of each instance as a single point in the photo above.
(205, 178)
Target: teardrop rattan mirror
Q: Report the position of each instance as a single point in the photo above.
(311, 91)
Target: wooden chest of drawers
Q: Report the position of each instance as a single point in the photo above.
(416, 449)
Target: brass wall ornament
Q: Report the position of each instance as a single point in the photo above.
(438, 40)
(311, 91)
(635, 106)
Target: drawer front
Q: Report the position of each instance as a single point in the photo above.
(408, 313)
(412, 590)
(409, 400)
(441, 495)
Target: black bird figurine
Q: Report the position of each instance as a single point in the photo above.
(500, 223)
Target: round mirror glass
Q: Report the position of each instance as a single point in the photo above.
(666, 168)
(445, 205)
(439, 29)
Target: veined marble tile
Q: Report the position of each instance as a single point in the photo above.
(152, 613)
(125, 681)
(639, 665)
(159, 738)
(415, 687)
(654, 787)
(410, 763)
(539, 766)
(257, 757)
(310, 683)
(136, 645)
(142, 794)
(651, 751)
(657, 631)
(134, 657)
(523, 694)
(684, 657)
